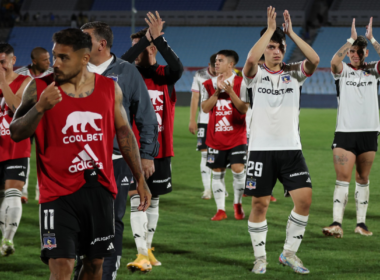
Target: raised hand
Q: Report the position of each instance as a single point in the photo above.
(271, 18)
(287, 25)
(155, 24)
(220, 82)
(2, 75)
(368, 33)
(49, 98)
(354, 35)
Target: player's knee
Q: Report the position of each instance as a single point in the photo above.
(362, 178)
(304, 204)
(61, 266)
(92, 266)
(340, 176)
(237, 168)
(259, 207)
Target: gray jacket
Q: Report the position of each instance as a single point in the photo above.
(137, 104)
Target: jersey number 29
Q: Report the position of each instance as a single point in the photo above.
(255, 169)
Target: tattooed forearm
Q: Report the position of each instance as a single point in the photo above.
(26, 117)
(129, 149)
(376, 45)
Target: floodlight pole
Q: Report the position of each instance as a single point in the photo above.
(134, 11)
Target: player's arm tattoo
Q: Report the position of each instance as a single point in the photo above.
(125, 137)
(376, 45)
(26, 118)
(343, 50)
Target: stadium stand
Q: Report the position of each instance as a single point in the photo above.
(49, 5)
(162, 5)
(353, 5)
(291, 5)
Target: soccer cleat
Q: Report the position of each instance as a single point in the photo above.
(239, 212)
(24, 199)
(362, 229)
(260, 266)
(220, 215)
(294, 262)
(152, 258)
(207, 194)
(7, 247)
(335, 229)
(141, 263)
(272, 198)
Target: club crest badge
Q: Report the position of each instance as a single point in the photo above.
(50, 243)
(285, 79)
(210, 158)
(115, 78)
(366, 72)
(251, 184)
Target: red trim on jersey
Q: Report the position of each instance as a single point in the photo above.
(303, 69)
(349, 64)
(274, 72)
(193, 90)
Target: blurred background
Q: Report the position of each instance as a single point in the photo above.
(196, 29)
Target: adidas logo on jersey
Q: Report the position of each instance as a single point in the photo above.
(266, 79)
(352, 73)
(110, 247)
(93, 173)
(308, 180)
(22, 173)
(223, 125)
(4, 128)
(86, 159)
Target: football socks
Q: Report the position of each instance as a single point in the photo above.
(205, 172)
(362, 199)
(152, 214)
(12, 209)
(258, 232)
(219, 189)
(238, 184)
(340, 200)
(295, 230)
(138, 221)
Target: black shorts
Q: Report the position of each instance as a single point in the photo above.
(123, 174)
(161, 181)
(14, 169)
(202, 132)
(356, 142)
(220, 159)
(82, 222)
(265, 167)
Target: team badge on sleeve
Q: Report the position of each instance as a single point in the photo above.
(286, 79)
(251, 184)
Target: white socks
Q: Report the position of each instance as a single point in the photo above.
(138, 221)
(2, 215)
(152, 214)
(238, 184)
(219, 189)
(11, 210)
(258, 232)
(361, 198)
(340, 200)
(295, 231)
(205, 172)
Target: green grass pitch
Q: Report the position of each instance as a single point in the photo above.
(190, 246)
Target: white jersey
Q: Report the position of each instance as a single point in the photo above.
(199, 78)
(26, 72)
(276, 106)
(358, 108)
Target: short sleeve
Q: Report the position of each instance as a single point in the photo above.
(251, 81)
(204, 93)
(342, 73)
(244, 92)
(195, 86)
(297, 71)
(373, 68)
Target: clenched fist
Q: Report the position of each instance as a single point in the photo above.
(49, 98)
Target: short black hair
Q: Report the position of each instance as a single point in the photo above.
(213, 60)
(6, 48)
(101, 30)
(278, 35)
(361, 42)
(73, 37)
(37, 52)
(229, 53)
(139, 34)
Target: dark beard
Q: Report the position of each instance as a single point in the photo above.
(65, 78)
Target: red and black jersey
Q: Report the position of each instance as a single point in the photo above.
(74, 136)
(226, 126)
(8, 148)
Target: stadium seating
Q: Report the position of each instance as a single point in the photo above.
(280, 5)
(161, 5)
(353, 5)
(49, 5)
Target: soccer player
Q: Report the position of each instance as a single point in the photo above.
(39, 68)
(357, 128)
(225, 98)
(14, 159)
(160, 82)
(275, 150)
(200, 125)
(75, 114)
(136, 102)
